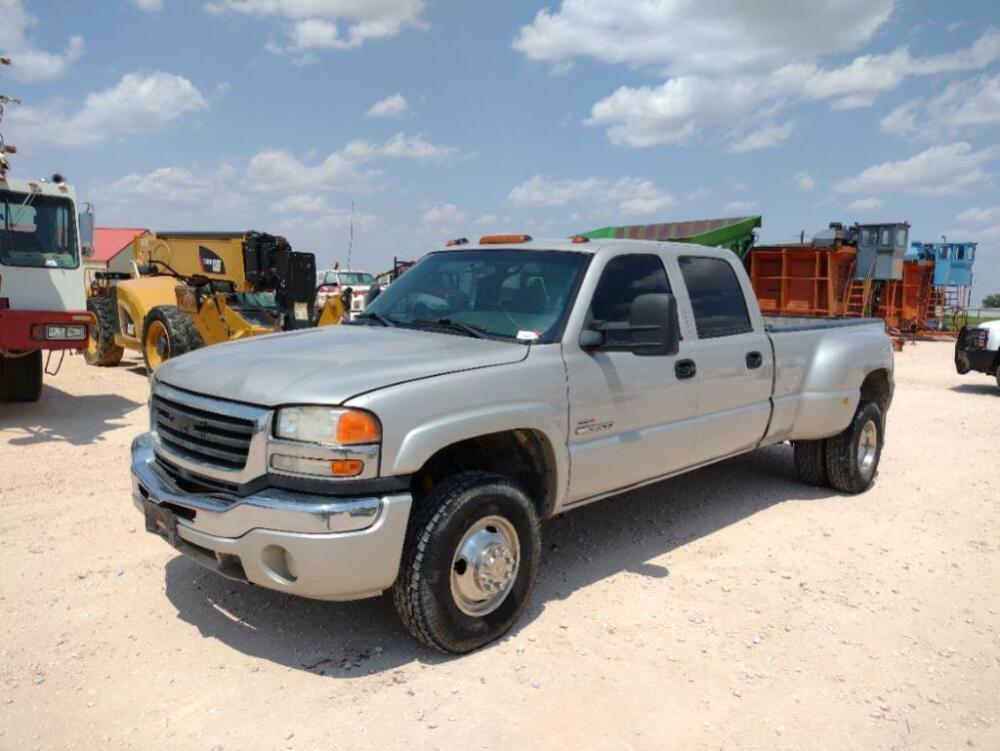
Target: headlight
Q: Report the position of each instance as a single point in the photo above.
(327, 425)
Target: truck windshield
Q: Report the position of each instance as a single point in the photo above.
(38, 231)
(347, 278)
(512, 294)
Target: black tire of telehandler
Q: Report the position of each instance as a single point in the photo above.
(21, 377)
(102, 350)
(845, 468)
(182, 336)
(810, 462)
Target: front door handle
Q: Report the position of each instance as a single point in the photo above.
(754, 360)
(685, 368)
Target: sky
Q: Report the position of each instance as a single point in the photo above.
(440, 119)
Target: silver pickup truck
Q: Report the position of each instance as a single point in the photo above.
(491, 386)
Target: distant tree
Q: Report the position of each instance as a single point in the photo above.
(992, 301)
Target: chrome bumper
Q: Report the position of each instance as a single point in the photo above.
(312, 546)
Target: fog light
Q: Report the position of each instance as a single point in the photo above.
(319, 467)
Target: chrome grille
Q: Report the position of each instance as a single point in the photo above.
(202, 436)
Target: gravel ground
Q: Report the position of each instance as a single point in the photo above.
(730, 608)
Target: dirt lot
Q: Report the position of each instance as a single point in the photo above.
(731, 608)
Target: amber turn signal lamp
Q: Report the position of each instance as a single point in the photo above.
(357, 427)
(346, 467)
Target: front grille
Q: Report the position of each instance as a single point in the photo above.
(210, 438)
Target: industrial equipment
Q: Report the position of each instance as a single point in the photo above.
(735, 233)
(190, 289)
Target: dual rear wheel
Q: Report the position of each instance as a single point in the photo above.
(848, 461)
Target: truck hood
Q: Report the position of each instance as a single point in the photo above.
(329, 365)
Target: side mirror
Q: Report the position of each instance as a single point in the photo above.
(652, 329)
(86, 219)
(655, 326)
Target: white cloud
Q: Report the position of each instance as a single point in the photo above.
(864, 204)
(392, 106)
(487, 220)
(175, 192)
(764, 137)
(687, 106)
(446, 213)
(698, 193)
(139, 102)
(150, 6)
(313, 23)
(964, 106)
(804, 181)
(278, 170)
(632, 195)
(980, 215)
(710, 36)
(740, 207)
(28, 62)
(940, 170)
(341, 170)
(301, 203)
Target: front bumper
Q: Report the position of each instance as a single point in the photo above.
(15, 328)
(312, 546)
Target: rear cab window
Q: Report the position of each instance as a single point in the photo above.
(717, 298)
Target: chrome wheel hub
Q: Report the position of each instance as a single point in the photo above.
(867, 447)
(485, 566)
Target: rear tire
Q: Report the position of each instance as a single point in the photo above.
(810, 462)
(852, 457)
(167, 333)
(469, 562)
(21, 377)
(101, 348)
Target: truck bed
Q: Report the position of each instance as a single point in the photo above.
(780, 324)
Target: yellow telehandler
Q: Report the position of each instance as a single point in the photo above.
(192, 289)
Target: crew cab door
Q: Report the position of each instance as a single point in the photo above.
(630, 416)
(732, 356)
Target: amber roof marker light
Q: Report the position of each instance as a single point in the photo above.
(457, 241)
(503, 239)
(577, 239)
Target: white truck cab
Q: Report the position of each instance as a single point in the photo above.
(42, 296)
(336, 281)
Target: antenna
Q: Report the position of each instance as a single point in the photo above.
(350, 242)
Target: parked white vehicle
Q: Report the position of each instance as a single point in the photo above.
(489, 387)
(335, 281)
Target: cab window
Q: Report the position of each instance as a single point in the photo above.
(624, 279)
(717, 300)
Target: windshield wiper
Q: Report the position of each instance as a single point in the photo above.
(477, 331)
(373, 316)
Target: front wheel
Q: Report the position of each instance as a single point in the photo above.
(852, 457)
(21, 377)
(167, 333)
(469, 562)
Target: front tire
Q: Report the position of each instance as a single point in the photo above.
(469, 562)
(852, 457)
(21, 377)
(167, 333)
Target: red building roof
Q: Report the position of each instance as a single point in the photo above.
(110, 241)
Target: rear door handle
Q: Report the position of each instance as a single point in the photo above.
(685, 368)
(754, 360)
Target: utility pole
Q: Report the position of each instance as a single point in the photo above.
(350, 241)
(5, 148)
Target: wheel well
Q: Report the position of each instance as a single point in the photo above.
(877, 388)
(523, 455)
